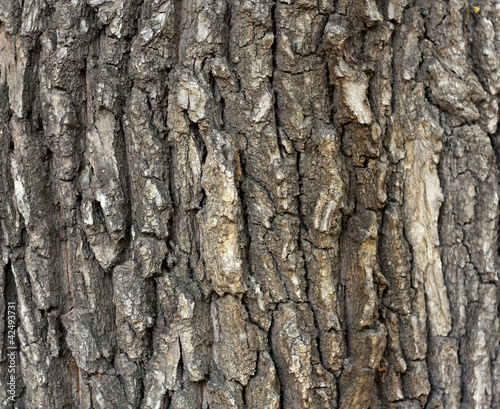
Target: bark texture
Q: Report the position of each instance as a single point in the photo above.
(250, 204)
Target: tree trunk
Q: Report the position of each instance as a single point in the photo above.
(249, 204)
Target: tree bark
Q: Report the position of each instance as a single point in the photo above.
(249, 204)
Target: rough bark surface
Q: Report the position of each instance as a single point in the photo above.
(250, 204)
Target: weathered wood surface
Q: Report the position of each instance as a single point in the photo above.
(250, 204)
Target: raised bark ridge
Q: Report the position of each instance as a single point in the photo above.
(250, 204)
